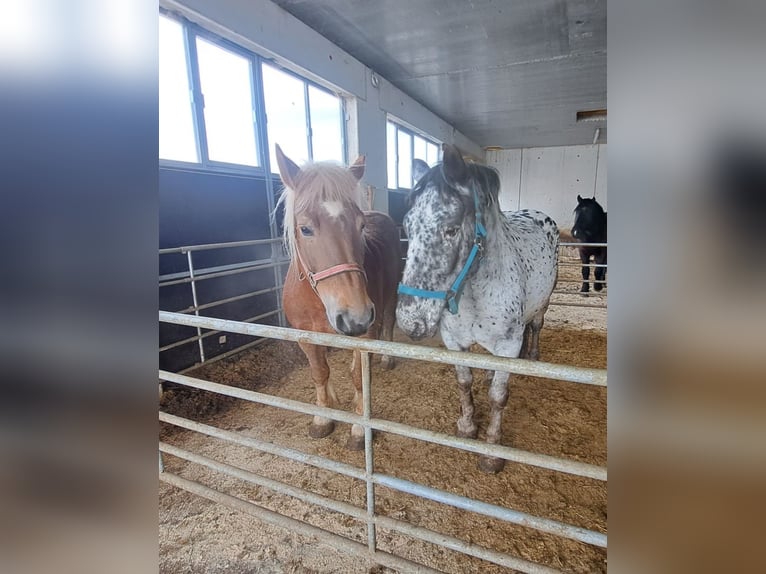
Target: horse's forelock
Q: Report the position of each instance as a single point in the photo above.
(324, 181)
(590, 203)
(317, 183)
(485, 180)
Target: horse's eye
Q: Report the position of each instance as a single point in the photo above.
(306, 231)
(451, 231)
(362, 227)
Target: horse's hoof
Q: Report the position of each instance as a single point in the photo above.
(598, 286)
(472, 433)
(584, 289)
(355, 442)
(387, 362)
(321, 431)
(491, 465)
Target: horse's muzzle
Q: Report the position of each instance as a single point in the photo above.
(353, 327)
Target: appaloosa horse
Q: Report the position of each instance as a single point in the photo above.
(344, 268)
(590, 227)
(476, 274)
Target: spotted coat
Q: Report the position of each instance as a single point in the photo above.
(506, 293)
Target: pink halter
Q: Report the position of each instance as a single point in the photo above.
(315, 278)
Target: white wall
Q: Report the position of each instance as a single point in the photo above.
(265, 28)
(550, 178)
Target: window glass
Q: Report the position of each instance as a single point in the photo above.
(229, 118)
(177, 140)
(404, 152)
(326, 125)
(432, 154)
(391, 154)
(419, 149)
(285, 115)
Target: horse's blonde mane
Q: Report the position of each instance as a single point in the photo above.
(316, 184)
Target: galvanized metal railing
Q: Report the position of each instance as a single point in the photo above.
(368, 475)
(278, 262)
(193, 275)
(564, 298)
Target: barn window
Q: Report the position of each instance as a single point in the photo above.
(391, 152)
(177, 139)
(404, 146)
(285, 99)
(325, 124)
(213, 95)
(226, 83)
(404, 153)
(304, 119)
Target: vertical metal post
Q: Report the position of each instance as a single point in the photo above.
(368, 454)
(196, 305)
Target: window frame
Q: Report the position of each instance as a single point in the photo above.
(307, 105)
(191, 31)
(398, 126)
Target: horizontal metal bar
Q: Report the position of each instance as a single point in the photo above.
(267, 447)
(231, 299)
(580, 264)
(229, 353)
(181, 274)
(575, 245)
(566, 304)
(407, 351)
(459, 545)
(205, 246)
(230, 244)
(357, 513)
(565, 280)
(211, 333)
(269, 265)
(493, 511)
(275, 485)
(164, 279)
(331, 539)
(479, 447)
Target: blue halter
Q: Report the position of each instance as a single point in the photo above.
(452, 295)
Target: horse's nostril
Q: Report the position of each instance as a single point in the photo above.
(340, 323)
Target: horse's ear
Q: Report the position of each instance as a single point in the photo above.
(579, 199)
(357, 168)
(419, 169)
(455, 170)
(288, 169)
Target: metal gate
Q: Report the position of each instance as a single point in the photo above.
(372, 478)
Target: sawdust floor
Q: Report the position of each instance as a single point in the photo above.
(543, 416)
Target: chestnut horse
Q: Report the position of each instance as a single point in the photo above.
(344, 270)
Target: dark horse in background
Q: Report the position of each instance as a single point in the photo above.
(590, 227)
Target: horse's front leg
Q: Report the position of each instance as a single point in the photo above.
(356, 439)
(585, 260)
(466, 426)
(498, 398)
(600, 272)
(320, 374)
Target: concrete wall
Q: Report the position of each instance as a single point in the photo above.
(550, 178)
(263, 27)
